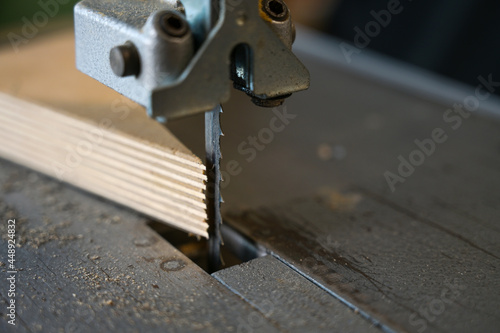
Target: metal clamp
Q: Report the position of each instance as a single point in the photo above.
(176, 58)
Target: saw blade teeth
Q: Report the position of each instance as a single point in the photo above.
(213, 133)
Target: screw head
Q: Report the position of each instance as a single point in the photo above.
(277, 10)
(125, 60)
(174, 24)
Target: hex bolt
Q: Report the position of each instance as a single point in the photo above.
(125, 60)
(270, 102)
(277, 10)
(174, 24)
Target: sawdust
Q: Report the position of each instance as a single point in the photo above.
(34, 237)
(109, 302)
(100, 280)
(97, 277)
(338, 201)
(10, 213)
(12, 183)
(7, 212)
(106, 219)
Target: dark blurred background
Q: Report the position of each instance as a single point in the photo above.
(456, 38)
(13, 11)
(459, 39)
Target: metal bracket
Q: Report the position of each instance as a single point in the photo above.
(176, 58)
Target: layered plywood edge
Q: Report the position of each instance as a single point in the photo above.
(57, 121)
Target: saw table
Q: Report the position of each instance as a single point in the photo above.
(334, 247)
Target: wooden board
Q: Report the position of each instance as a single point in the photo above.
(58, 121)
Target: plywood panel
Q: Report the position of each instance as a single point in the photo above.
(58, 121)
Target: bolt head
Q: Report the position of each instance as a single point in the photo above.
(174, 24)
(270, 102)
(125, 60)
(277, 10)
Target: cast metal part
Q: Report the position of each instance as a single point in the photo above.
(175, 57)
